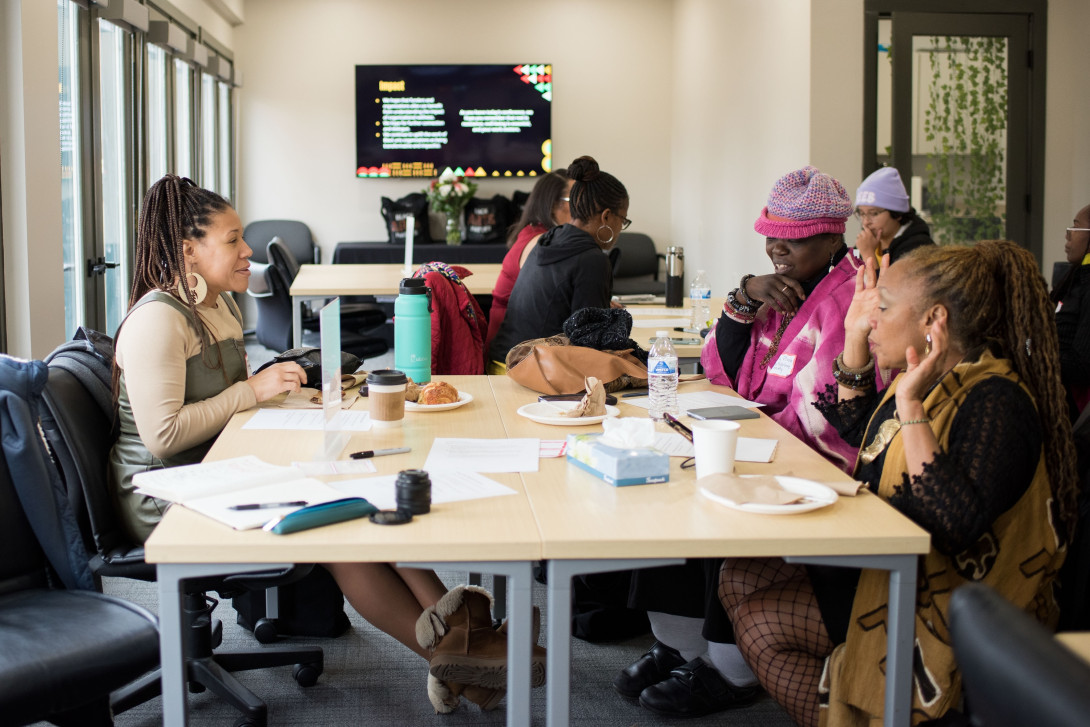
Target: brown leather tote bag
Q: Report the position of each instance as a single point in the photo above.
(553, 366)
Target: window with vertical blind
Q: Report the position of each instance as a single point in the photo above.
(134, 104)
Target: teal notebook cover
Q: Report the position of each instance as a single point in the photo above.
(326, 513)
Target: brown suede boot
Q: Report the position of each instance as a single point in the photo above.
(465, 648)
(444, 696)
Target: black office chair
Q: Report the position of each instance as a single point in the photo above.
(296, 235)
(356, 318)
(80, 434)
(636, 269)
(64, 648)
(1015, 672)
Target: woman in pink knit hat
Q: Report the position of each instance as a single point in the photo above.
(779, 332)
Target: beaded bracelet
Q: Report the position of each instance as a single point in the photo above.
(859, 379)
(738, 311)
(915, 421)
(742, 290)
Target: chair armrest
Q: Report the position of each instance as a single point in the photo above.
(662, 260)
(258, 287)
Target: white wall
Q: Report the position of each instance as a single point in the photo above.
(611, 62)
(740, 121)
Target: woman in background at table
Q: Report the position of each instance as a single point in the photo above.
(1072, 299)
(970, 441)
(890, 224)
(774, 344)
(567, 270)
(181, 374)
(546, 208)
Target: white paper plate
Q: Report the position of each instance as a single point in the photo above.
(817, 496)
(545, 412)
(463, 398)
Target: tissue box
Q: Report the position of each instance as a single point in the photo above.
(618, 467)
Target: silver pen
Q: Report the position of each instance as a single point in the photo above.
(367, 454)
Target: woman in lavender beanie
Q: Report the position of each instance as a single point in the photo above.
(890, 224)
(779, 332)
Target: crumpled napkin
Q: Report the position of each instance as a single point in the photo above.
(628, 433)
(593, 403)
(311, 398)
(759, 489)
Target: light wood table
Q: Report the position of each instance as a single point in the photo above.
(643, 334)
(588, 526)
(321, 282)
(495, 535)
(1077, 641)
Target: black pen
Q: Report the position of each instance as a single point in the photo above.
(268, 505)
(367, 454)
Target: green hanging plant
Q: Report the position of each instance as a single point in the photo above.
(966, 121)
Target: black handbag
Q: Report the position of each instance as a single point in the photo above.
(310, 358)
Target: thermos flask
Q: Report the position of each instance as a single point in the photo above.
(675, 274)
(412, 330)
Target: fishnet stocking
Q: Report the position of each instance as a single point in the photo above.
(779, 630)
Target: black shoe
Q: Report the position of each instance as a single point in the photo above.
(651, 668)
(694, 690)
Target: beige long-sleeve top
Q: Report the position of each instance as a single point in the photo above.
(151, 350)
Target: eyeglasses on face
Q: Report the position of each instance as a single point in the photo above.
(1078, 229)
(565, 199)
(625, 223)
(868, 216)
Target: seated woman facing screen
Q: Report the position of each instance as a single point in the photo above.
(774, 344)
(1072, 299)
(567, 270)
(970, 441)
(546, 208)
(181, 374)
(890, 224)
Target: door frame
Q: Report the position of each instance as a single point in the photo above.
(1029, 152)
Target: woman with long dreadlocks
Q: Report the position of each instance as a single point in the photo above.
(180, 374)
(971, 441)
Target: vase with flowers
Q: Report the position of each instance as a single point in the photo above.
(449, 194)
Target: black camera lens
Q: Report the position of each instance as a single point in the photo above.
(413, 491)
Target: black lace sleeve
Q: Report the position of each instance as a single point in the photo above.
(848, 417)
(732, 342)
(994, 446)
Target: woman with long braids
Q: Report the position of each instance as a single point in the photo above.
(567, 270)
(971, 441)
(180, 375)
(1072, 299)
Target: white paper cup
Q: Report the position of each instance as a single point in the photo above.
(714, 441)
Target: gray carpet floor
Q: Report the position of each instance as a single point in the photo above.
(370, 679)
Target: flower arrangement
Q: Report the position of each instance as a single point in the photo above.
(449, 194)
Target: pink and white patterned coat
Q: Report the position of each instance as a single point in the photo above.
(802, 367)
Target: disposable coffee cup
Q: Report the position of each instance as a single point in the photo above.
(714, 441)
(386, 397)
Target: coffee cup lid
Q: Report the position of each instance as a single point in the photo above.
(387, 377)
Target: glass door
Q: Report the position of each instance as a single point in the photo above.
(959, 111)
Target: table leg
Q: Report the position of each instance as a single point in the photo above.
(297, 320)
(558, 678)
(901, 632)
(170, 577)
(519, 628)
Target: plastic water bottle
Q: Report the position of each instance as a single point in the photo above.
(699, 295)
(412, 330)
(662, 376)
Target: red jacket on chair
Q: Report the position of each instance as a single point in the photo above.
(458, 325)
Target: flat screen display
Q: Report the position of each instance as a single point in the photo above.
(476, 120)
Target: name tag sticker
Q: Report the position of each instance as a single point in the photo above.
(784, 367)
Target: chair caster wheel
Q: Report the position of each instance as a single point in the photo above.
(306, 675)
(196, 687)
(265, 631)
(250, 722)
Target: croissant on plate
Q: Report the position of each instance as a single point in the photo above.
(437, 392)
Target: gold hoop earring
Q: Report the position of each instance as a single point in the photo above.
(198, 291)
(598, 236)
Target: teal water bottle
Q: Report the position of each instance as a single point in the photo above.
(412, 330)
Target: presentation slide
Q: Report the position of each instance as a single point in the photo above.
(477, 120)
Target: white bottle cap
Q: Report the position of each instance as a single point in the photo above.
(662, 334)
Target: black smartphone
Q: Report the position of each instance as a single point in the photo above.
(610, 398)
(723, 412)
(677, 426)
